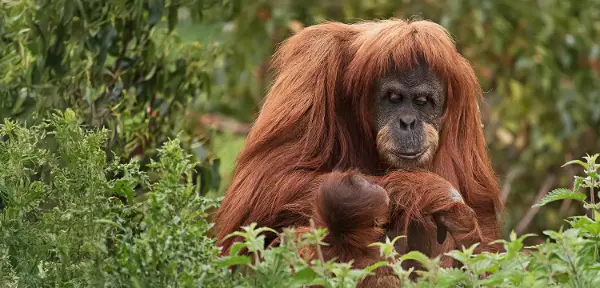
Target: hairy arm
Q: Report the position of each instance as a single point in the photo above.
(424, 206)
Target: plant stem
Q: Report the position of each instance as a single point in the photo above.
(576, 278)
(319, 252)
(592, 198)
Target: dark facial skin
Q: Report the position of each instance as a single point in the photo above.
(408, 108)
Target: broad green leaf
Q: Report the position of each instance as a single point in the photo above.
(417, 256)
(304, 276)
(237, 247)
(451, 277)
(459, 256)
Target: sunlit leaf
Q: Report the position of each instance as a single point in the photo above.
(560, 194)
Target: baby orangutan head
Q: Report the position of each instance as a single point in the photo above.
(409, 106)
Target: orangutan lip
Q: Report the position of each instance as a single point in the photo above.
(411, 156)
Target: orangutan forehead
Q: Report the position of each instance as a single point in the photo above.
(418, 77)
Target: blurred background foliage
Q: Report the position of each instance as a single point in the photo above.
(152, 69)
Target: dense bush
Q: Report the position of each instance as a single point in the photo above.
(118, 63)
(70, 219)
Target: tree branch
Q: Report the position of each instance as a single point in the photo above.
(546, 186)
(512, 174)
(225, 124)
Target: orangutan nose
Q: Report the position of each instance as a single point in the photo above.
(408, 122)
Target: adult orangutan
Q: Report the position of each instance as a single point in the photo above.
(368, 124)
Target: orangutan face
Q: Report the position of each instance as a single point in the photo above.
(408, 109)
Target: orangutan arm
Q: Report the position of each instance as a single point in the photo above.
(417, 197)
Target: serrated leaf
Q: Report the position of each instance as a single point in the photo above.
(560, 194)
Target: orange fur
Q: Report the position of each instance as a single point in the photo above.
(317, 119)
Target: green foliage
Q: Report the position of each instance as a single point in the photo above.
(280, 266)
(119, 64)
(47, 225)
(560, 194)
(162, 240)
(590, 181)
(69, 218)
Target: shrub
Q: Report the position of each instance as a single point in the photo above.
(70, 218)
(119, 64)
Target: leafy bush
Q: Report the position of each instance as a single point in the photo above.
(71, 219)
(119, 64)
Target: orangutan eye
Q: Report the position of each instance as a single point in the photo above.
(421, 100)
(394, 97)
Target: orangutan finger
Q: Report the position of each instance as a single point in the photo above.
(442, 231)
(460, 222)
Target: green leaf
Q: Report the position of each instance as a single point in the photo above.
(577, 183)
(451, 277)
(591, 206)
(459, 256)
(585, 165)
(233, 260)
(417, 256)
(305, 275)
(560, 194)
(374, 266)
(236, 247)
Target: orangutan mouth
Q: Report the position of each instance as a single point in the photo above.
(412, 156)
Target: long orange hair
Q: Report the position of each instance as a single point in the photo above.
(317, 118)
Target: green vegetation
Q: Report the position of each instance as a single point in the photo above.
(121, 121)
(70, 219)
